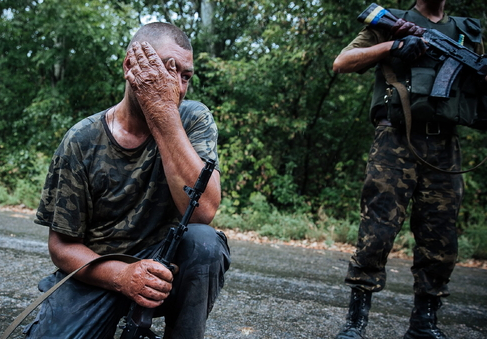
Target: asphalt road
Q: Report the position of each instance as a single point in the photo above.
(271, 291)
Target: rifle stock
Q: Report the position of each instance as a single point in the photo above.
(139, 319)
(453, 53)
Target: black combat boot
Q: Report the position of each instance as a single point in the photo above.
(422, 324)
(358, 315)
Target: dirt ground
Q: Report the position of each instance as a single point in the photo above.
(273, 290)
(257, 239)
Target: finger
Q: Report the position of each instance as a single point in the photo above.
(161, 292)
(140, 55)
(157, 284)
(148, 303)
(132, 62)
(151, 55)
(397, 25)
(404, 29)
(419, 31)
(160, 271)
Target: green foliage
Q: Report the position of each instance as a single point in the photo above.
(282, 131)
(476, 234)
(60, 61)
(57, 71)
(264, 218)
(23, 176)
(267, 220)
(465, 248)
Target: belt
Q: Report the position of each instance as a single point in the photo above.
(430, 128)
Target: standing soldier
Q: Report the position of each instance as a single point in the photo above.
(395, 176)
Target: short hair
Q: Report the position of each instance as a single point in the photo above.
(155, 33)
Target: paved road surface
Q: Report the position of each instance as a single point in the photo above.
(271, 291)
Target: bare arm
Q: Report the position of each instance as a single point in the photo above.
(182, 166)
(158, 91)
(147, 282)
(356, 59)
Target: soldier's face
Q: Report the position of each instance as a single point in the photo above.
(184, 64)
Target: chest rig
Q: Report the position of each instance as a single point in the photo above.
(465, 104)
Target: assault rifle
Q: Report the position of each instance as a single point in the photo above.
(454, 54)
(139, 319)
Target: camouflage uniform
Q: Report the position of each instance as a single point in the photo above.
(118, 201)
(394, 178)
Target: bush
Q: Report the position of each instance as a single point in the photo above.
(23, 179)
(465, 248)
(264, 218)
(477, 238)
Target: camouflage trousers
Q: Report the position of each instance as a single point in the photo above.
(394, 178)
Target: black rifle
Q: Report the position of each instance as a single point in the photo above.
(454, 55)
(139, 319)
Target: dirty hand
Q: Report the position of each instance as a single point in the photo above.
(403, 28)
(408, 48)
(154, 83)
(147, 282)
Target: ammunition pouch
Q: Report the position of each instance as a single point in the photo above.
(467, 101)
(467, 105)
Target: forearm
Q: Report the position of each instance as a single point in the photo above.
(69, 255)
(147, 282)
(182, 165)
(358, 59)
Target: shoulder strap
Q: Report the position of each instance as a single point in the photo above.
(120, 257)
(404, 96)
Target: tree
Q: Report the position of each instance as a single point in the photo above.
(61, 61)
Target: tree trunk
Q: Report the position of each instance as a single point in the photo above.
(207, 13)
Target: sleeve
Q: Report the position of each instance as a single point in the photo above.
(65, 199)
(367, 37)
(201, 129)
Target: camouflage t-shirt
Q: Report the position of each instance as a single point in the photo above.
(116, 199)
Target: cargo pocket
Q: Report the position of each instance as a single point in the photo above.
(422, 80)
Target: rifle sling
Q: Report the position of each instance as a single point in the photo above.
(120, 257)
(406, 106)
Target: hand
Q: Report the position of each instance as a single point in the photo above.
(155, 85)
(403, 28)
(408, 48)
(147, 282)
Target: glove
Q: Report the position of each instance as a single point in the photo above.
(403, 28)
(408, 48)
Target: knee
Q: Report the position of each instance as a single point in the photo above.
(202, 244)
